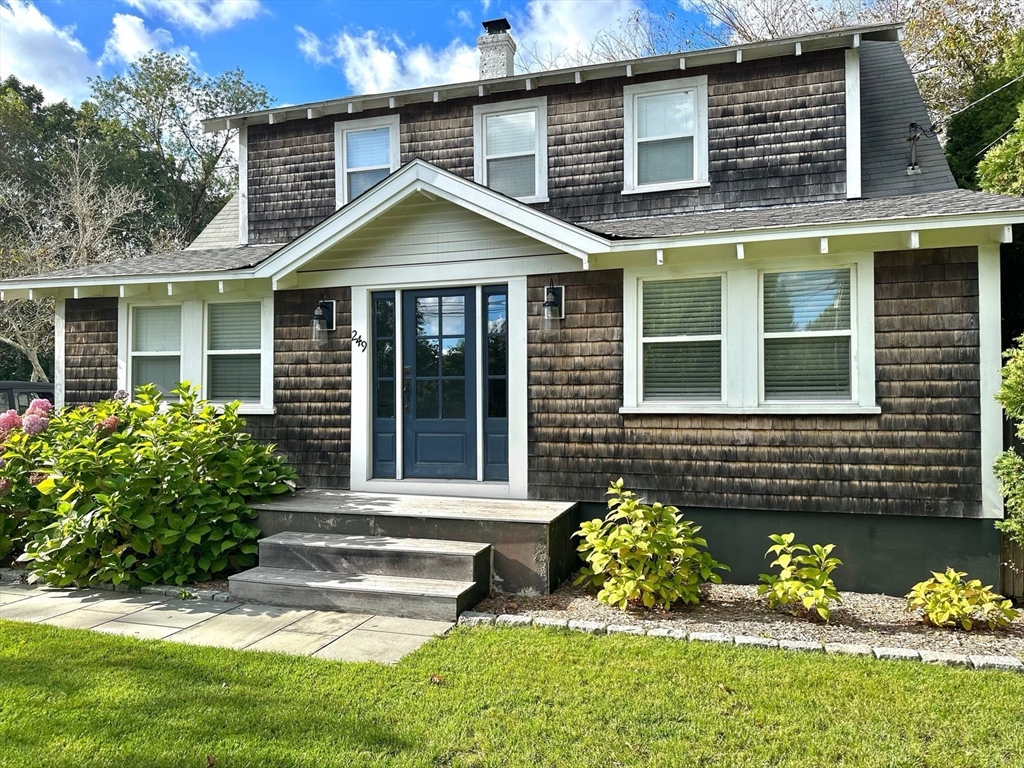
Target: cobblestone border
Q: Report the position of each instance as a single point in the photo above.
(16, 576)
(1005, 663)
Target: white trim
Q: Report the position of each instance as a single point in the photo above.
(630, 95)
(341, 131)
(243, 185)
(768, 409)
(479, 382)
(990, 365)
(360, 464)
(399, 394)
(539, 106)
(853, 141)
(518, 407)
(423, 487)
(59, 353)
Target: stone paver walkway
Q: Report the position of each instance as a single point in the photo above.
(322, 634)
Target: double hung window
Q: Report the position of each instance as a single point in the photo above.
(156, 347)
(510, 141)
(366, 152)
(233, 351)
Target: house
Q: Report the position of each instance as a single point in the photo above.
(727, 276)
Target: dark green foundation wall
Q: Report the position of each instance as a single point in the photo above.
(886, 554)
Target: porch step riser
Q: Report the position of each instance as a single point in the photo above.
(416, 565)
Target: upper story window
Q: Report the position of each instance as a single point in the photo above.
(666, 135)
(365, 153)
(510, 142)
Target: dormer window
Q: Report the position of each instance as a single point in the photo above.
(365, 153)
(510, 143)
(666, 135)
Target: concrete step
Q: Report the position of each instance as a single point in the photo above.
(378, 556)
(410, 598)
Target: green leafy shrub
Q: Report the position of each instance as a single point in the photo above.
(1009, 466)
(946, 600)
(644, 554)
(138, 492)
(804, 578)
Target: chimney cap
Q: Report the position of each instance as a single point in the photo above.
(497, 26)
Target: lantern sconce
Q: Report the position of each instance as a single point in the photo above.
(322, 323)
(553, 310)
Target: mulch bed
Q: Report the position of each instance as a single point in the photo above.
(874, 620)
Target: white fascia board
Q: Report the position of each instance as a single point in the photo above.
(419, 176)
(816, 230)
(44, 286)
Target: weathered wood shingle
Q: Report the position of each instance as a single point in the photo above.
(90, 350)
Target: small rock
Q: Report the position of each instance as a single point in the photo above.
(674, 634)
(625, 629)
(473, 619)
(173, 591)
(903, 654)
(757, 642)
(204, 594)
(945, 659)
(550, 621)
(222, 597)
(590, 627)
(124, 587)
(513, 620)
(152, 590)
(1007, 663)
(710, 637)
(800, 645)
(848, 649)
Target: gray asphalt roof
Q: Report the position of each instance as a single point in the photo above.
(945, 203)
(222, 231)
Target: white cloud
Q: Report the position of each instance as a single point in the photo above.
(374, 61)
(35, 50)
(465, 18)
(130, 40)
(203, 16)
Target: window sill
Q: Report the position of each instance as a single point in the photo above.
(767, 409)
(665, 187)
(531, 200)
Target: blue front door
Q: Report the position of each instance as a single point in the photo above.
(439, 383)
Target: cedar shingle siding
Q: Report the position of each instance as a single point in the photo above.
(776, 135)
(312, 390)
(921, 456)
(90, 350)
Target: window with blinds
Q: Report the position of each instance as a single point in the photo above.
(807, 335)
(155, 348)
(366, 153)
(233, 351)
(511, 148)
(681, 339)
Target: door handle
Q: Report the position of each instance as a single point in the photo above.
(407, 388)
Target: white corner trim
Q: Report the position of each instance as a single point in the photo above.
(360, 465)
(853, 127)
(59, 353)
(243, 185)
(342, 129)
(539, 105)
(990, 359)
(518, 408)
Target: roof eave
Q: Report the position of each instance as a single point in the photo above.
(44, 285)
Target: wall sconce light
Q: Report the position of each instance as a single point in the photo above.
(322, 323)
(553, 310)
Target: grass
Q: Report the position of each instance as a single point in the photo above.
(526, 697)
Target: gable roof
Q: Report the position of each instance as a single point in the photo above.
(222, 231)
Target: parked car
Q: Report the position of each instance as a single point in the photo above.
(20, 394)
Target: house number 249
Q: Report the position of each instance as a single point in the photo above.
(358, 341)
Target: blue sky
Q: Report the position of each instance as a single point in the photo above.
(301, 50)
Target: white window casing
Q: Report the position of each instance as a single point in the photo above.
(510, 139)
(665, 131)
(744, 333)
(365, 152)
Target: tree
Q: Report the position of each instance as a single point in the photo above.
(1002, 169)
(162, 100)
(1010, 465)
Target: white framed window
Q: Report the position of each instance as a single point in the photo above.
(681, 339)
(233, 365)
(510, 148)
(665, 130)
(155, 347)
(807, 335)
(776, 334)
(365, 153)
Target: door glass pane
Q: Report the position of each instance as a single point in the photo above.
(453, 322)
(360, 181)
(427, 318)
(426, 399)
(815, 368)
(234, 377)
(513, 176)
(682, 307)
(512, 133)
(687, 370)
(427, 355)
(234, 326)
(497, 399)
(156, 329)
(497, 355)
(453, 360)
(385, 359)
(368, 148)
(666, 114)
(386, 399)
(497, 313)
(165, 372)
(385, 316)
(664, 161)
(807, 301)
(453, 400)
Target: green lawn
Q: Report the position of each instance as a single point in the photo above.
(527, 697)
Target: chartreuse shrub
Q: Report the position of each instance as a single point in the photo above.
(946, 600)
(1010, 464)
(644, 554)
(138, 492)
(804, 578)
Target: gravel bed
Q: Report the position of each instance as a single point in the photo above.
(861, 619)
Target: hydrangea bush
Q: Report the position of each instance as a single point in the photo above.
(138, 492)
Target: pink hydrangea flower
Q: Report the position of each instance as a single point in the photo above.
(109, 424)
(39, 407)
(34, 423)
(5, 486)
(9, 421)
(35, 478)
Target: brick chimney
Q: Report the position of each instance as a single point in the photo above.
(497, 50)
